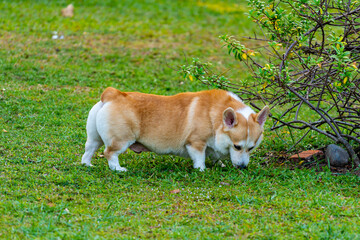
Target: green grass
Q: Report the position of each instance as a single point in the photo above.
(47, 88)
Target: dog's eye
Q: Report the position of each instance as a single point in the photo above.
(237, 147)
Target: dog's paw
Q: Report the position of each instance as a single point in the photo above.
(121, 169)
(87, 164)
(118, 168)
(201, 169)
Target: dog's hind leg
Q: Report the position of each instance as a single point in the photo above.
(112, 152)
(116, 139)
(91, 147)
(94, 141)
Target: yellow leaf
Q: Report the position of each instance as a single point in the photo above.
(345, 80)
(251, 53)
(338, 46)
(191, 78)
(264, 85)
(175, 191)
(301, 162)
(244, 56)
(354, 65)
(319, 65)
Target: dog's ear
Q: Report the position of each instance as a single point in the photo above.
(229, 118)
(262, 116)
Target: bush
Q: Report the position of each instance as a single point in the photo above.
(312, 50)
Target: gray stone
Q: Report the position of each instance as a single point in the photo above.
(337, 156)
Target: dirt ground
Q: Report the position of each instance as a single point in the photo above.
(319, 163)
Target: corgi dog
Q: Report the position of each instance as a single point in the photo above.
(213, 123)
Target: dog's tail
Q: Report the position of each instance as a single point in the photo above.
(110, 94)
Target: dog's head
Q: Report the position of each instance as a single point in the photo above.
(244, 131)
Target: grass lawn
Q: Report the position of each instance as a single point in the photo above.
(48, 86)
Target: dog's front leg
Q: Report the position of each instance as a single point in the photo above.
(197, 154)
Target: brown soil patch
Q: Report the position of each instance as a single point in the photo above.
(317, 162)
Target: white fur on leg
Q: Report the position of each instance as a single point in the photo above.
(114, 160)
(197, 156)
(94, 141)
(114, 163)
(90, 148)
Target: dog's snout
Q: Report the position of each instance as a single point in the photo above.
(241, 166)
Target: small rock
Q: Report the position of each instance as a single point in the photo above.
(57, 36)
(337, 156)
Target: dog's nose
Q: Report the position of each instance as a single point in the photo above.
(241, 166)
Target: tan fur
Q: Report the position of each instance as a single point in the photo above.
(151, 118)
(183, 123)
